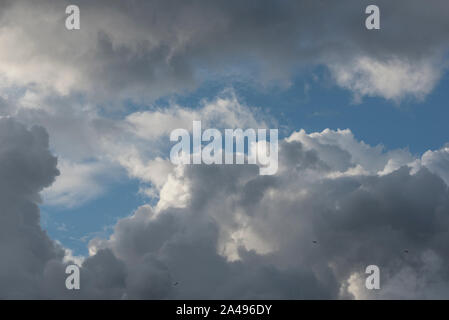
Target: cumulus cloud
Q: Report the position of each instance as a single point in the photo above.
(95, 149)
(302, 233)
(33, 265)
(299, 234)
(26, 167)
(148, 49)
(143, 139)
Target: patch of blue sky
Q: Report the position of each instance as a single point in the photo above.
(74, 227)
(313, 102)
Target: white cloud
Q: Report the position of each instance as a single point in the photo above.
(438, 162)
(78, 183)
(392, 79)
(224, 111)
(342, 152)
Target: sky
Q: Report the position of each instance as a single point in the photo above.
(363, 168)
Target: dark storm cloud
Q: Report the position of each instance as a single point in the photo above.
(144, 49)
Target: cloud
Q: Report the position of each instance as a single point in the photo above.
(340, 151)
(302, 233)
(254, 236)
(147, 137)
(437, 161)
(77, 184)
(147, 49)
(391, 80)
(225, 111)
(26, 167)
(95, 149)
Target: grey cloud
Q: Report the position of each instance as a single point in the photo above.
(32, 265)
(240, 235)
(26, 167)
(356, 221)
(149, 49)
